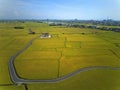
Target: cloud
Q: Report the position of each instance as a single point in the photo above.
(63, 9)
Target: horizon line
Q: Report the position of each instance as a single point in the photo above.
(60, 19)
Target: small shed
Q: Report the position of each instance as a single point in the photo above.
(45, 35)
(30, 31)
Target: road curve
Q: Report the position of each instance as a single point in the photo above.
(17, 80)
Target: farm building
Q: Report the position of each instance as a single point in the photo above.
(45, 35)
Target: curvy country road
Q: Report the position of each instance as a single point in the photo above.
(17, 80)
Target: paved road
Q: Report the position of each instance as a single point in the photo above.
(18, 80)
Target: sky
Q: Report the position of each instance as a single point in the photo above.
(60, 9)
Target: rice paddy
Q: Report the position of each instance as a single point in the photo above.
(68, 50)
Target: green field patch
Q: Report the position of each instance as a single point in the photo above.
(73, 44)
(70, 35)
(49, 43)
(37, 69)
(34, 48)
(40, 55)
(86, 51)
(4, 73)
(97, 44)
(12, 87)
(25, 37)
(71, 64)
(5, 53)
(114, 41)
(15, 45)
(3, 38)
(4, 58)
(49, 49)
(5, 42)
(83, 38)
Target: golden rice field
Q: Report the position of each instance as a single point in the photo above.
(68, 50)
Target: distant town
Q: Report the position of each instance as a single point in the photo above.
(108, 24)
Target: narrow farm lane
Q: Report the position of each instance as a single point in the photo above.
(17, 80)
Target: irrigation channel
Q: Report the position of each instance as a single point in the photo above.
(17, 80)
